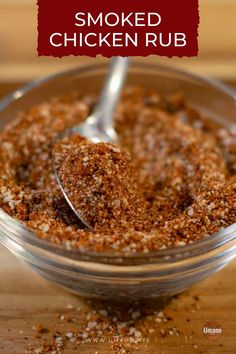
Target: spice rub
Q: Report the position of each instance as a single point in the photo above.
(172, 178)
(102, 184)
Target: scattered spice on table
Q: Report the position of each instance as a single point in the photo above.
(174, 165)
(122, 327)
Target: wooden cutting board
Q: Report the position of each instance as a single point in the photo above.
(27, 299)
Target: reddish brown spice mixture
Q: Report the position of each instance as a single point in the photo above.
(185, 165)
(102, 184)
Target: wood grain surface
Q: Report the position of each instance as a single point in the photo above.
(27, 299)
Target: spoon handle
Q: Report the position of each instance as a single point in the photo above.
(104, 111)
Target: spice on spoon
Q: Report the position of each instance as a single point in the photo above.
(102, 183)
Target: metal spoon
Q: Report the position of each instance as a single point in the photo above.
(99, 126)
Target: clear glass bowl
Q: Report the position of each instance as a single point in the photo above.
(162, 273)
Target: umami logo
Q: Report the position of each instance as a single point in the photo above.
(212, 329)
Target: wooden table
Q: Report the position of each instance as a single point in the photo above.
(26, 299)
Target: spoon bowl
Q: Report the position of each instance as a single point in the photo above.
(99, 126)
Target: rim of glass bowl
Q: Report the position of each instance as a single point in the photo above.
(21, 233)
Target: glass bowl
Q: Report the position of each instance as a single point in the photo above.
(163, 273)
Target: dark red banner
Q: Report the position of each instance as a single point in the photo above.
(118, 27)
